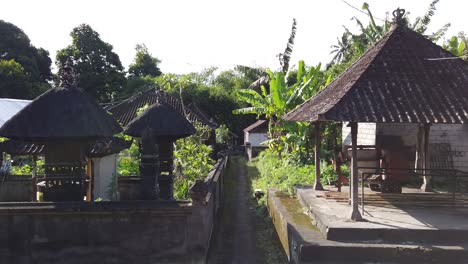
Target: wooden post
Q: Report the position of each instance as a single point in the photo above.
(355, 214)
(34, 178)
(424, 140)
(90, 175)
(317, 185)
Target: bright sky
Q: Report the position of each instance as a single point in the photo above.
(189, 35)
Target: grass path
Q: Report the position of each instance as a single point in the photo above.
(245, 234)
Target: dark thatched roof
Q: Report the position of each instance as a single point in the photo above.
(398, 80)
(100, 148)
(163, 121)
(126, 111)
(261, 126)
(61, 113)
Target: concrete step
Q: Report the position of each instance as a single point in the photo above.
(429, 224)
(304, 243)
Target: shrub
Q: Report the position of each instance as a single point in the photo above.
(281, 174)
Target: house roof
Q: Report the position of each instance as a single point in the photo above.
(100, 148)
(126, 111)
(163, 121)
(403, 78)
(261, 126)
(9, 107)
(61, 113)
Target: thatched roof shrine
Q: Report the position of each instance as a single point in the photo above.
(61, 113)
(403, 78)
(163, 121)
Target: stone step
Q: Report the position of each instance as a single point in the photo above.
(304, 243)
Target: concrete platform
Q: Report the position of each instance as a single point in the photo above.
(386, 223)
(304, 242)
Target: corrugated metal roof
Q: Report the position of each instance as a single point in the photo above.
(395, 81)
(9, 107)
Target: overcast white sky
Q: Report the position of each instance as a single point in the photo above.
(189, 35)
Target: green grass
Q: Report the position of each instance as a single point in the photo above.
(266, 238)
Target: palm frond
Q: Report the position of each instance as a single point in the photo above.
(285, 57)
(439, 33)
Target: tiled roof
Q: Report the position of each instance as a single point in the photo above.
(126, 111)
(401, 79)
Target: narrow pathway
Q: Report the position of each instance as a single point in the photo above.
(244, 247)
(235, 240)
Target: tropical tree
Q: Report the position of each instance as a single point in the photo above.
(14, 82)
(457, 45)
(342, 49)
(101, 73)
(19, 58)
(421, 23)
(144, 63)
(274, 103)
(351, 46)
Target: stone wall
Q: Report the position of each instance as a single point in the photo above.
(16, 189)
(113, 231)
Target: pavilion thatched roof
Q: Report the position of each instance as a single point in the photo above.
(403, 78)
(163, 120)
(61, 113)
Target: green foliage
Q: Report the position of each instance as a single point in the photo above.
(192, 161)
(100, 71)
(282, 174)
(14, 82)
(328, 174)
(281, 98)
(222, 134)
(352, 46)
(214, 95)
(457, 45)
(144, 63)
(26, 168)
(24, 69)
(129, 161)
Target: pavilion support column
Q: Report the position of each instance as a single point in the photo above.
(423, 155)
(34, 178)
(355, 214)
(317, 185)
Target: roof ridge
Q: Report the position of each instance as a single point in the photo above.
(383, 41)
(349, 68)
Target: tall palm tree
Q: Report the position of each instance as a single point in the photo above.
(342, 49)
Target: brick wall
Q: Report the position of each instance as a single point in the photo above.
(366, 134)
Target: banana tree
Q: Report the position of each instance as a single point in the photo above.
(274, 103)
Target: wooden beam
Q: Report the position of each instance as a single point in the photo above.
(317, 185)
(355, 214)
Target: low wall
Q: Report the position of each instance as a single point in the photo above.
(16, 188)
(113, 231)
